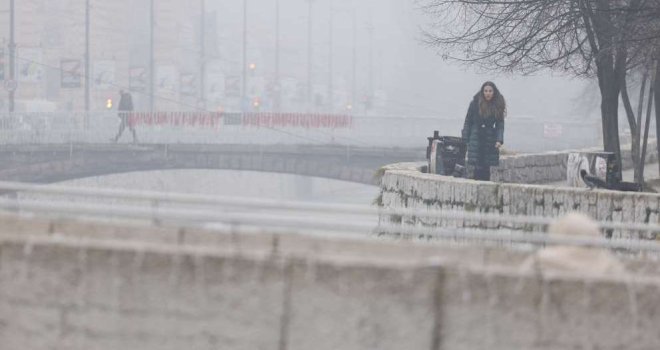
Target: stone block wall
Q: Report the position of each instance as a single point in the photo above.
(531, 168)
(534, 168)
(62, 286)
(405, 186)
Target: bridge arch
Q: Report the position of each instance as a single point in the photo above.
(52, 163)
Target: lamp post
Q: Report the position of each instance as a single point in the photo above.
(350, 104)
(87, 58)
(244, 80)
(12, 53)
(309, 55)
(152, 69)
(354, 68)
(278, 90)
(330, 63)
(202, 55)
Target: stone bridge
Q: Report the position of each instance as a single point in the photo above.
(46, 163)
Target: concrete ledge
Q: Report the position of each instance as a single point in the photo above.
(404, 186)
(61, 291)
(536, 168)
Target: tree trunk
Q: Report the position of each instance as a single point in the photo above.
(601, 33)
(640, 110)
(657, 111)
(649, 106)
(634, 141)
(609, 107)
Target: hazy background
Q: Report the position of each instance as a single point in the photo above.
(371, 50)
(366, 58)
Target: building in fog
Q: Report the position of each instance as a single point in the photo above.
(50, 56)
(365, 57)
(50, 37)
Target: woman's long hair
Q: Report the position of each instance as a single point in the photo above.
(495, 107)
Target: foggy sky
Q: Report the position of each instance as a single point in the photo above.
(406, 77)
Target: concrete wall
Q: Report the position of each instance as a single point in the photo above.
(513, 191)
(405, 186)
(66, 285)
(59, 291)
(533, 168)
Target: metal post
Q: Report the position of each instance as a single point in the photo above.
(202, 54)
(309, 56)
(244, 80)
(87, 56)
(354, 75)
(12, 54)
(370, 92)
(152, 26)
(330, 63)
(278, 88)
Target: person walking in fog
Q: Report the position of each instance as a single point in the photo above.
(125, 108)
(483, 131)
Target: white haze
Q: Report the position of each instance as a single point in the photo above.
(406, 77)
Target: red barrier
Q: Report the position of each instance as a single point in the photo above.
(259, 120)
(297, 120)
(184, 119)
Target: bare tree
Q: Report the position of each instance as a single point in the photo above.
(578, 37)
(643, 45)
(657, 111)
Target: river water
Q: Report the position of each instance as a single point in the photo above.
(237, 183)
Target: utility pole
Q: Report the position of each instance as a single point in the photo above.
(244, 80)
(12, 53)
(202, 56)
(87, 63)
(278, 89)
(309, 55)
(370, 92)
(354, 74)
(330, 63)
(152, 69)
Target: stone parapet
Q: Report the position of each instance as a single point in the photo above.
(62, 288)
(534, 168)
(405, 186)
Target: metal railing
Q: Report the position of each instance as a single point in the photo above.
(306, 218)
(269, 128)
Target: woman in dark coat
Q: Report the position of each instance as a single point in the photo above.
(483, 131)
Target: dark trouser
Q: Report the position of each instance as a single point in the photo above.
(482, 173)
(481, 170)
(124, 122)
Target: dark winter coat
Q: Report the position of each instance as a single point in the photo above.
(480, 134)
(125, 102)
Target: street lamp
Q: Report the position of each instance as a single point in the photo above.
(244, 80)
(202, 54)
(309, 55)
(330, 54)
(278, 97)
(12, 54)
